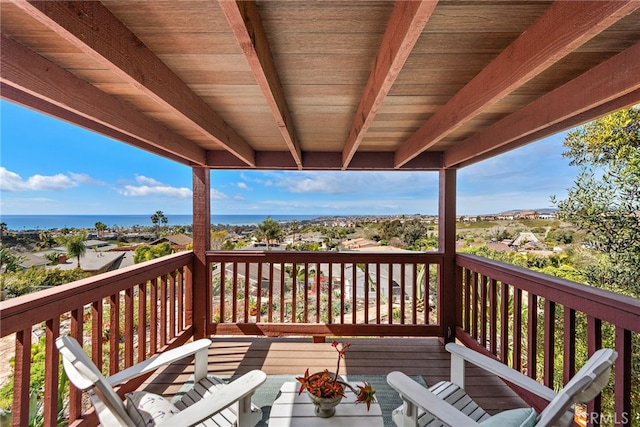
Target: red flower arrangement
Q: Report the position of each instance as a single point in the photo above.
(327, 385)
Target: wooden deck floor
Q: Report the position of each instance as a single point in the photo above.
(370, 356)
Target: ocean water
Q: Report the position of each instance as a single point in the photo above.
(48, 222)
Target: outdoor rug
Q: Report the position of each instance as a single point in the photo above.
(267, 393)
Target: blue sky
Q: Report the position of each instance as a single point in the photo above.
(51, 167)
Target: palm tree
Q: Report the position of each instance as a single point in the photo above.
(157, 218)
(270, 230)
(100, 227)
(294, 227)
(76, 246)
(3, 228)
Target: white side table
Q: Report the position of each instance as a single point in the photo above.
(291, 409)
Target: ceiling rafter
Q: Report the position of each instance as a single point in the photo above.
(43, 82)
(407, 21)
(244, 19)
(28, 100)
(328, 161)
(584, 98)
(92, 28)
(561, 29)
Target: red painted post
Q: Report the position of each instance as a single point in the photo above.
(201, 244)
(447, 288)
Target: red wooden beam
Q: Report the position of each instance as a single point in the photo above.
(92, 28)
(612, 85)
(564, 27)
(407, 21)
(36, 77)
(244, 19)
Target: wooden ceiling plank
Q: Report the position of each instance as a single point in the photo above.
(30, 73)
(563, 27)
(91, 27)
(244, 19)
(572, 104)
(406, 23)
(632, 98)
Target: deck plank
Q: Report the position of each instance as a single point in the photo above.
(366, 356)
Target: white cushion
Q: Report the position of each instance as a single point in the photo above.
(148, 409)
(521, 417)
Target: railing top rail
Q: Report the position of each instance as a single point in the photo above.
(325, 257)
(621, 310)
(39, 306)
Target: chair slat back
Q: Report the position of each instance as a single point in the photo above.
(84, 374)
(583, 387)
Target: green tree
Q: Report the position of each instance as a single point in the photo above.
(145, 252)
(46, 239)
(270, 231)
(605, 198)
(75, 245)
(100, 228)
(158, 218)
(3, 228)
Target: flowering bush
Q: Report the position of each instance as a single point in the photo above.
(327, 385)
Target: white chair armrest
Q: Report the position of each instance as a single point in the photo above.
(420, 396)
(220, 398)
(159, 360)
(500, 369)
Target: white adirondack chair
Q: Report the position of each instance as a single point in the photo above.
(447, 404)
(210, 400)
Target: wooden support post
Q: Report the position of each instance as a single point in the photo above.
(449, 283)
(201, 282)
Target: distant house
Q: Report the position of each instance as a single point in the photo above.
(523, 239)
(177, 241)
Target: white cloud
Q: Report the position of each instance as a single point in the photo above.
(11, 181)
(356, 182)
(150, 186)
(217, 195)
(243, 186)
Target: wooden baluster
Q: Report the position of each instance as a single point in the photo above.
(97, 333)
(549, 341)
(569, 345)
(378, 294)
(282, 292)
(163, 310)
(259, 293)
(517, 329)
(114, 334)
(153, 316)
(483, 310)
(623, 374)
(467, 300)
(594, 343)
(306, 293)
(403, 293)
(414, 294)
(75, 395)
(342, 292)
(366, 293)
(223, 284)
(234, 295)
(294, 291)
(474, 307)
(142, 321)
(172, 305)
(21, 378)
(330, 295)
(532, 336)
(318, 291)
(390, 294)
(51, 372)
(493, 316)
(128, 327)
(270, 305)
(504, 322)
(180, 292)
(247, 296)
(426, 294)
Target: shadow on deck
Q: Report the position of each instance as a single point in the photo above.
(367, 356)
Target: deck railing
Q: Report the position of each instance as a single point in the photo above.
(539, 324)
(112, 313)
(318, 294)
(325, 293)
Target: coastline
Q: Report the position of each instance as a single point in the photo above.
(23, 223)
